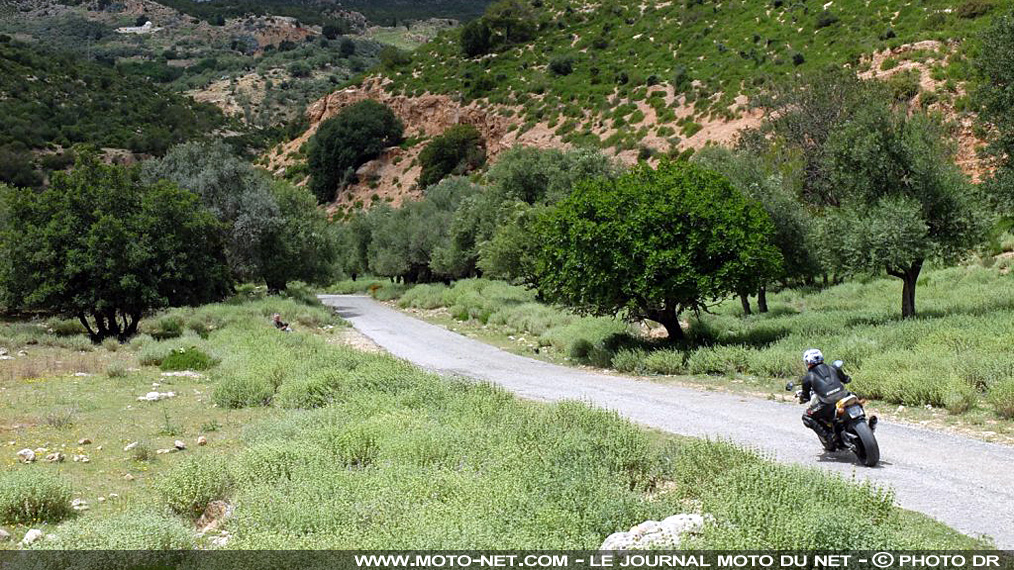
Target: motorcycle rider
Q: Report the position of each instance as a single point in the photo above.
(828, 383)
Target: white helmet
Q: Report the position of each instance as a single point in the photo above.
(813, 357)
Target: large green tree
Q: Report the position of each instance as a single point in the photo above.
(102, 246)
(754, 176)
(358, 134)
(302, 246)
(895, 198)
(234, 191)
(459, 150)
(653, 244)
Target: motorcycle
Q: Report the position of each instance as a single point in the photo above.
(850, 428)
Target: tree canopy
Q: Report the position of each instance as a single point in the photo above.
(343, 143)
(457, 151)
(653, 244)
(104, 247)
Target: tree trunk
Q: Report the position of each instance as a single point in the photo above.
(744, 298)
(909, 278)
(669, 319)
(762, 300)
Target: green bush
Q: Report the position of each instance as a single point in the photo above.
(136, 529)
(242, 391)
(191, 358)
(1001, 395)
(170, 326)
(67, 327)
(667, 361)
(188, 487)
(33, 496)
(459, 150)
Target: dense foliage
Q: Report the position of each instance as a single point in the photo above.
(51, 101)
(274, 231)
(103, 247)
(343, 143)
(459, 150)
(654, 244)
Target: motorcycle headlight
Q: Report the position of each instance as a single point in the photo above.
(855, 411)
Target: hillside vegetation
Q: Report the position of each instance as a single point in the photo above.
(582, 68)
(51, 101)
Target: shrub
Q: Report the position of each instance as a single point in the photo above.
(191, 358)
(187, 488)
(1001, 395)
(562, 64)
(904, 86)
(167, 327)
(974, 8)
(629, 360)
(137, 529)
(667, 362)
(32, 496)
(67, 327)
(457, 151)
(960, 397)
(116, 370)
(241, 391)
(111, 344)
(826, 18)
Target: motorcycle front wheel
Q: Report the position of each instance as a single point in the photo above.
(867, 449)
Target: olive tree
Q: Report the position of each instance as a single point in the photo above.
(895, 197)
(995, 95)
(653, 244)
(103, 246)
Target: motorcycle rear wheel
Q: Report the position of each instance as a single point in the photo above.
(867, 449)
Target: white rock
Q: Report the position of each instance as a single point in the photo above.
(31, 536)
(84, 441)
(26, 455)
(4, 535)
(130, 446)
(155, 384)
(55, 457)
(5, 357)
(101, 499)
(202, 440)
(128, 477)
(79, 505)
(3, 351)
(178, 444)
(183, 374)
(81, 374)
(165, 451)
(656, 535)
(113, 495)
(22, 353)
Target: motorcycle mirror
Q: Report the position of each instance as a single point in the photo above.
(789, 387)
(838, 364)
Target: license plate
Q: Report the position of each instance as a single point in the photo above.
(855, 411)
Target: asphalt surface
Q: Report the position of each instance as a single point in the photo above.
(965, 483)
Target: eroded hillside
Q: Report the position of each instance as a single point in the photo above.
(640, 80)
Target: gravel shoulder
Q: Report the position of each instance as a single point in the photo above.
(965, 483)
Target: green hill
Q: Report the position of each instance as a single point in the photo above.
(572, 64)
(51, 101)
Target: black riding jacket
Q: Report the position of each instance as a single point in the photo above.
(827, 382)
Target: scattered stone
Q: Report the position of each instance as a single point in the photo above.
(6, 357)
(202, 440)
(165, 451)
(81, 374)
(113, 495)
(3, 351)
(656, 535)
(26, 455)
(31, 536)
(81, 458)
(183, 374)
(84, 441)
(99, 448)
(178, 444)
(155, 384)
(101, 499)
(79, 505)
(221, 540)
(4, 535)
(156, 396)
(41, 450)
(55, 457)
(22, 353)
(214, 515)
(131, 446)
(900, 409)
(128, 477)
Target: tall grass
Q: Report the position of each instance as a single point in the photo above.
(955, 355)
(362, 451)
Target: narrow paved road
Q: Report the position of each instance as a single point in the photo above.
(965, 483)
